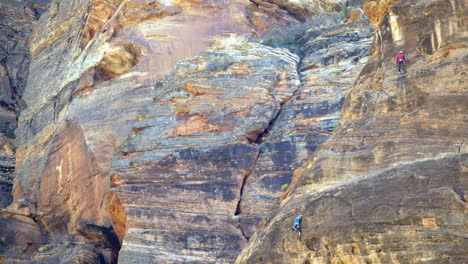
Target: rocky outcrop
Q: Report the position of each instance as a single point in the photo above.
(263, 15)
(302, 9)
(377, 10)
(390, 186)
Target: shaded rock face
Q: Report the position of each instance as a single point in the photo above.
(7, 169)
(16, 24)
(390, 186)
(38, 6)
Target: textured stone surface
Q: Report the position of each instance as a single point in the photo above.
(93, 69)
(303, 9)
(20, 238)
(391, 185)
(7, 169)
(111, 151)
(331, 60)
(263, 15)
(16, 23)
(180, 175)
(377, 10)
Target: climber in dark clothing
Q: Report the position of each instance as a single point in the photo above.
(297, 224)
(400, 60)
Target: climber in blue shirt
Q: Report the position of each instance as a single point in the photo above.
(297, 224)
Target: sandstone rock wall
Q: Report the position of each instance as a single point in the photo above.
(16, 25)
(390, 186)
(303, 9)
(180, 174)
(266, 14)
(122, 155)
(93, 69)
(331, 59)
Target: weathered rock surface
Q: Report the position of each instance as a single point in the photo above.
(331, 60)
(179, 176)
(112, 153)
(93, 59)
(376, 10)
(391, 185)
(263, 15)
(16, 24)
(302, 9)
(7, 169)
(93, 69)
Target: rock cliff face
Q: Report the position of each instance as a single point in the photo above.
(330, 60)
(180, 174)
(93, 69)
(391, 185)
(16, 25)
(150, 133)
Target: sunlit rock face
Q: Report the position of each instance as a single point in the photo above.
(179, 176)
(93, 69)
(390, 186)
(377, 10)
(149, 134)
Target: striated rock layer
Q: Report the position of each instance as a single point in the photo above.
(115, 155)
(180, 174)
(92, 73)
(391, 185)
(226, 131)
(16, 24)
(330, 60)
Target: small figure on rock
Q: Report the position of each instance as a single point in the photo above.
(297, 225)
(400, 60)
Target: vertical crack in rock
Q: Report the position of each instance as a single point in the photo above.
(247, 175)
(16, 24)
(329, 62)
(393, 173)
(194, 173)
(259, 140)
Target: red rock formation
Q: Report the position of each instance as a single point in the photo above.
(180, 174)
(377, 10)
(331, 60)
(91, 59)
(391, 185)
(113, 152)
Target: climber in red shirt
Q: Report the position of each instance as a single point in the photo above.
(400, 60)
